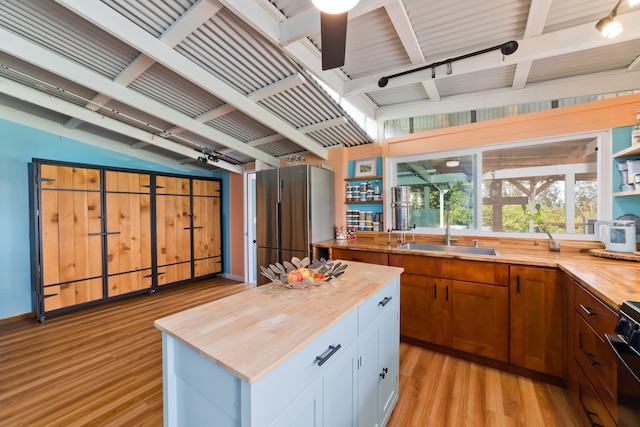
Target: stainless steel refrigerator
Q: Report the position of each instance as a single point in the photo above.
(294, 210)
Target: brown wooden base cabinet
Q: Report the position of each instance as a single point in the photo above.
(442, 301)
(99, 233)
(537, 333)
(593, 378)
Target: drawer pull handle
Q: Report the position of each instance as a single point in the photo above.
(435, 291)
(385, 301)
(518, 283)
(384, 372)
(332, 350)
(588, 356)
(587, 310)
(357, 259)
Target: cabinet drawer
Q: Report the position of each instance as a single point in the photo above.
(478, 272)
(589, 405)
(380, 258)
(597, 314)
(383, 300)
(417, 264)
(598, 363)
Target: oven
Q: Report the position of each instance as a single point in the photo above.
(626, 346)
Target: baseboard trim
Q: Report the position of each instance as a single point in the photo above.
(233, 277)
(18, 317)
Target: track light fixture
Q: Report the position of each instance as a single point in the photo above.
(208, 157)
(608, 26)
(506, 48)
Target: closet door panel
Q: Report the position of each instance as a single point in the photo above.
(173, 228)
(207, 232)
(71, 241)
(128, 232)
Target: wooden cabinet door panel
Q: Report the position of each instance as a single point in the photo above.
(70, 294)
(174, 273)
(120, 284)
(207, 242)
(71, 239)
(128, 206)
(536, 319)
(480, 315)
(173, 222)
(425, 309)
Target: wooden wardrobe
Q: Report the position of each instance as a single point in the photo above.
(101, 233)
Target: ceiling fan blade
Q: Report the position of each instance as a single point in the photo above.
(333, 32)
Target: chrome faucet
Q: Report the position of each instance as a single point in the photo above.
(447, 229)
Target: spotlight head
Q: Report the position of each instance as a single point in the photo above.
(202, 159)
(509, 47)
(383, 82)
(609, 27)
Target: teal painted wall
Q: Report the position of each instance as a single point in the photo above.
(20, 144)
(628, 204)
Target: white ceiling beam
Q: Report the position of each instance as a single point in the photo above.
(595, 84)
(109, 20)
(338, 121)
(404, 28)
(47, 60)
(199, 13)
(430, 87)
(538, 12)
(44, 100)
(635, 65)
(570, 40)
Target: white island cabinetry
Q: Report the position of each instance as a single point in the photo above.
(270, 356)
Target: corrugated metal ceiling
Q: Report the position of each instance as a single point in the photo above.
(266, 57)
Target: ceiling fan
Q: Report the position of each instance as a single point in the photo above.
(333, 30)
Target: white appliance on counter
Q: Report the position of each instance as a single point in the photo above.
(618, 236)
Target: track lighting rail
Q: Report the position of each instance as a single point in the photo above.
(506, 48)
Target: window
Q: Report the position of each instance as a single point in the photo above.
(512, 188)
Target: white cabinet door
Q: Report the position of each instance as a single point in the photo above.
(388, 340)
(340, 390)
(378, 371)
(368, 378)
(305, 411)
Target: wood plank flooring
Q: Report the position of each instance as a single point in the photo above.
(102, 366)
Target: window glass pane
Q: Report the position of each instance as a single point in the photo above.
(436, 182)
(526, 189)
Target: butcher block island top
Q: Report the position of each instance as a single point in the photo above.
(251, 333)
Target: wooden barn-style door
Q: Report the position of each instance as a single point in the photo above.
(71, 250)
(207, 240)
(102, 233)
(128, 232)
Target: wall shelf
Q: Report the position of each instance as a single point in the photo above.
(366, 202)
(627, 193)
(631, 151)
(363, 178)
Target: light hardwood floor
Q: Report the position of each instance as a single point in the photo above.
(102, 366)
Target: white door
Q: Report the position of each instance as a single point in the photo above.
(250, 266)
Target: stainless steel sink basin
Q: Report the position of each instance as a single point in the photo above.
(472, 250)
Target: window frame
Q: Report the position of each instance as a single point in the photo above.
(604, 170)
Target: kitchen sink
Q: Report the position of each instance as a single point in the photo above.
(472, 250)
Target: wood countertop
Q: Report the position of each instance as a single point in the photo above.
(252, 332)
(612, 280)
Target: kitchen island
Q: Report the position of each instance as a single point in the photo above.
(273, 356)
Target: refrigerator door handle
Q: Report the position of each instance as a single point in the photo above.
(278, 207)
